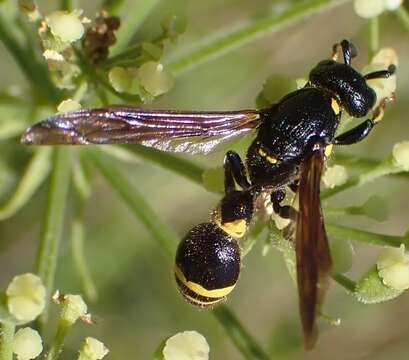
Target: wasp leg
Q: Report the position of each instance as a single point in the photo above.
(361, 131)
(234, 171)
(286, 211)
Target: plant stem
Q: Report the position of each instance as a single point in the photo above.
(373, 38)
(137, 203)
(131, 21)
(78, 253)
(58, 341)
(35, 71)
(168, 240)
(241, 338)
(383, 168)
(53, 223)
(6, 340)
(344, 281)
(176, 164)
(403, 16)
(215, 46)
(68, 5)
(347, 233)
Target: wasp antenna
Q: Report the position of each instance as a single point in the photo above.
(381, 74)
(348, 51)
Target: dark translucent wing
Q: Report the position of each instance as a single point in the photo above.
(311, 244)
(195, 132)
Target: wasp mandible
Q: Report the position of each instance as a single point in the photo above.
(293, 139)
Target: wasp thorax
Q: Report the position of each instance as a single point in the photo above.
(207, 265)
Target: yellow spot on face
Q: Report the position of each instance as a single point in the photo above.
(328, 150)
(262, 152)
(335, 106)
(200, 290)
(271, 159)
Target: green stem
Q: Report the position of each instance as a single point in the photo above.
(176, 164)
(132, 19)
(6, 340)
(168, 240)
(68, 5)
(137, 203)
(53, 223)
(347, 233)
(78, 254)
(213, 46)
(403, 17)
(112, 6)
(373, 38)
(58, 342)
(32, 68)
(345, 282)
(383, 168)
(240, 337)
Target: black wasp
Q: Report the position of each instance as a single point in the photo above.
(293, 139)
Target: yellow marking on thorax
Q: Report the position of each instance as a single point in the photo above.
(335, 106)
(199, 289)
(328, 150)
(270, 159)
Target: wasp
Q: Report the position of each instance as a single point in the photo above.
(293, 138)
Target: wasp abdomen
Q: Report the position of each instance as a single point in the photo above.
(207, 265)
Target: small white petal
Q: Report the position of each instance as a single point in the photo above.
(53, 55)
(335, 176)
(27, 344)
(392, 5)
(393, 268)
(66, 25)
(400, 155)
(369, 8)
(68, 105)
(187, 345)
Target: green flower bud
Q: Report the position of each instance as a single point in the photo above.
(369, 8)
(68, 105)
(73, 307)
(120, 79)
(393, 268)
(92, 349)
(187, 345)
(27, 344)
(400, 155)
(66, 25)
(335, 176)
(154, 79)
(26, 297)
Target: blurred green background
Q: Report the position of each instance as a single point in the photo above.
(138, 304)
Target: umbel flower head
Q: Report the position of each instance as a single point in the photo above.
(27, 344)
(26, 297)
(187, 345)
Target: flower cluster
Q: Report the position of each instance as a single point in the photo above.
(371, 8)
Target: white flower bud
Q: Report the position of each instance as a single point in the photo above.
(335, 176)
(392, 5)
(73, 307)
(26, 297)
(66, 25)
(154, 79)
(53, 55)
(120, 79)
(400, 155)
(393, 268)
(68, 105)
(92, 349)
(27, 344)
(187, 345)
(369, 8)
(384, 88)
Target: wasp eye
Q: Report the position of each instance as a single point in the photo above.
(207, 265)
